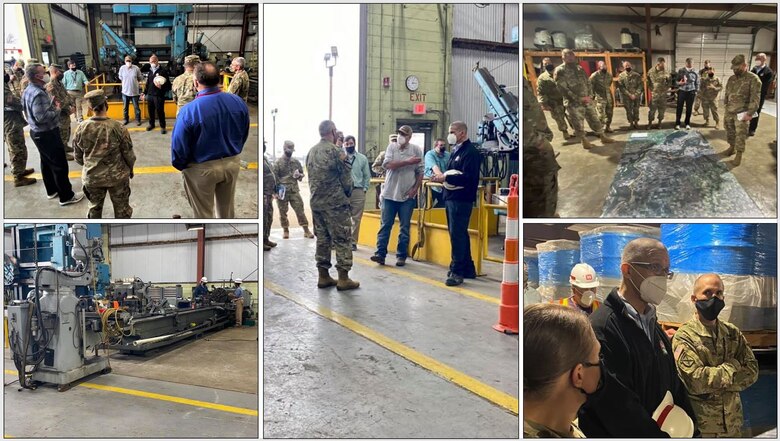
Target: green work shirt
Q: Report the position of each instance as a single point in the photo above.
(361, 172)
(74, 80)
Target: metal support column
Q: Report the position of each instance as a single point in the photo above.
(201, 252)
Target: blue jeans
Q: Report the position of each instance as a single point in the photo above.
(389, 210)
(458, 214)
(125, 107)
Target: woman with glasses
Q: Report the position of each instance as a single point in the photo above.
(561, 369)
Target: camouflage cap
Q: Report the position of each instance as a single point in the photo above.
(739, 60)
(32, 60)
(95, 97)
(20, 62)
(192, 59)
(289, 145)
(55, 66)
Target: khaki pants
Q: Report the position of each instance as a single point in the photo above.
(78, 98)
(239, 311)
(212, 184)
(357, 202)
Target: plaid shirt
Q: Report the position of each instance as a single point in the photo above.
(42, 116)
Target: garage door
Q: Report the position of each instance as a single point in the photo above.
(70, 36)
(718, 48)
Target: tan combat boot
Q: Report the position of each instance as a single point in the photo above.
(730, 151)
(608, 129)
(586, 144)
(345, 283)
(24, 180)
(325, 280)
(605, 139)
(306, 233)
(286, 234)
(737, 159)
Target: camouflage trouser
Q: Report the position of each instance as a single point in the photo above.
(710, 106)
(540, 181)
(13, 129)
(632, 109)
(733, 434)
(120, 198)
(65, 131)
(658, 103)
(736, 131)
(580, 112)
(334, 227)
(605, 108)
(295, 200)
(268, 215)
(697, 102)
(558, 113)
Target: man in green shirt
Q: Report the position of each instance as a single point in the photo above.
(74, 82)
(361, 178)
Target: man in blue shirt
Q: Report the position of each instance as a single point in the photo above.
(238, 295)
(687, 86)
(209, 134)
(74, 82)
(200, 290)
(361, 178)
(436, 161)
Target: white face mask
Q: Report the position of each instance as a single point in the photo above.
(452, 139)
(401, 140)
(652, 289)
(128, 63)
(587, 298)
(154, 66)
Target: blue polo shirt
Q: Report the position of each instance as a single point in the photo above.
(213, 126)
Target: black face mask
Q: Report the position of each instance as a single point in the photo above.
(603, 70)
(599, 388)
(287, 153)
(60, 76)
(711, 75)
(549, 68)
(73, 69)
(709, 309)
(628, 69)
(350, 150)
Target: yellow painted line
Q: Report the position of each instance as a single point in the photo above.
(161, 397)
(450, 374)
(155, 170)
(418, 278)
(143, 129)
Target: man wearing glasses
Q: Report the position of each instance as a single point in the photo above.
(636, 351)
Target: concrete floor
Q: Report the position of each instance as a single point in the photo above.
(155, 194)
(586, 176)
(322, 379)
(220, 368)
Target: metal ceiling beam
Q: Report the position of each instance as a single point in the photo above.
(737, 9)
(584, 18)
(726, 7)
(634, 11)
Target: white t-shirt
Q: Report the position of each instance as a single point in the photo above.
(398, 182)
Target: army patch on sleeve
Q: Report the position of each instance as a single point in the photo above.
(686, 360)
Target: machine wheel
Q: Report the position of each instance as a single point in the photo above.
(106, 370)
(63, 387)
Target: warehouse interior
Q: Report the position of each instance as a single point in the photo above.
(98, 37)
(743, 255)
(425, 360)
(144, 341)
(640, 34)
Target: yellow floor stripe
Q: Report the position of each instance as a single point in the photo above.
(161, 397)
(450, 374)
(140, 129)
(418, 278)
(155, 170)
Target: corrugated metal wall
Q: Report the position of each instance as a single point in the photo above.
(485, 23)
(175, 262)
(720, 51)
(468, 101)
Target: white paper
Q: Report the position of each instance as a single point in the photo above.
(639, 135)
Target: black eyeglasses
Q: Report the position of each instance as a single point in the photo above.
(656, 269)
(599, 363)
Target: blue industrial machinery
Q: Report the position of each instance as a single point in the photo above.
(500, 129)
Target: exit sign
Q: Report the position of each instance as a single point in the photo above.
(418, 109)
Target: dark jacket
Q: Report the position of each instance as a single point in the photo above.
(766, 76)
(643, 373)
(468, 160)
(151, 89)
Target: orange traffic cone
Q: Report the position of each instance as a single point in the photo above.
(509, 309)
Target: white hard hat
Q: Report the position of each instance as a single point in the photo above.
(204, 280)
(237, 281)
(584, 276)
(450, 186)
(158, 80)
(673, 419)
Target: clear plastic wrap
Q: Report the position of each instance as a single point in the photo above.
(602, 247)
(531, 259)
(765, 263)
(556, 259)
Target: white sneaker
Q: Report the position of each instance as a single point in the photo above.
(77, 197)
(52, 196)
(677, 127)
(687, 127)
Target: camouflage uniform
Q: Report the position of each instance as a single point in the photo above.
(269, 186)
(550, 96)
(183, 90)
(631, 84)
(743, 92)
(710, 88)
(13, 129)
(540, 176)
(715, 365)
(55, 89)
(239, 85)
(284, 168)
(574, 86)
(660, 83)
(330, 182)
(104, 148)
(601, 85)
(16, 81)
(534, 430)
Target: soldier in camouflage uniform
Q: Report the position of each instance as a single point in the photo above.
(289, 171)
(660, 83)
(18, 76)
(575, 88)
(269, 188)
(239, 85)
(56, 90)
(702, 73)
(104, 148)
(601, 85)
(710, 88)
(330, 182)
(540, 169)
(631, 87)
(13, 129)
(714, 362)
(184, 90)
(743, 93)
(551, 98)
